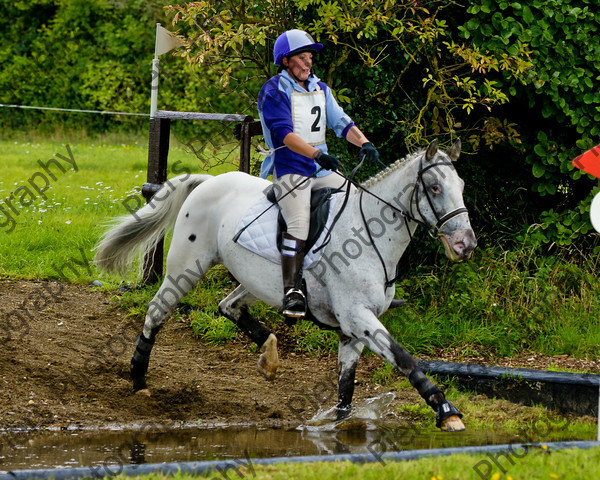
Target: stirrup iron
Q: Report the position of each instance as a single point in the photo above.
(297, 299)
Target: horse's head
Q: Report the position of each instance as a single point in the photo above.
(439, 200)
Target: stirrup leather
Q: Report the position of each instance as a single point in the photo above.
(294, 303)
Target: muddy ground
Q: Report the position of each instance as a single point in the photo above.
(64, 362)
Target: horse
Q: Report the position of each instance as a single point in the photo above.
(347, 290)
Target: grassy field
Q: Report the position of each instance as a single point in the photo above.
(540, 464)
(58, 195)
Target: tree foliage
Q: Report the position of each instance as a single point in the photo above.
(517, 81)
(560, 110)
(93, 55)
(511, 79)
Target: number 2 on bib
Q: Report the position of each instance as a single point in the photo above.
(309, 116)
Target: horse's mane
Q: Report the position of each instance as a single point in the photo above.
(398, 164)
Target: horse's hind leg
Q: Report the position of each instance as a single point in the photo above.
(235, 307)
(178, 281)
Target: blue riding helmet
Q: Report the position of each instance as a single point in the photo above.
(291, 42)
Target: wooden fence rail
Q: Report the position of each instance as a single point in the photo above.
(158, 152)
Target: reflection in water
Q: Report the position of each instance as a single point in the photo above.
(363, 432)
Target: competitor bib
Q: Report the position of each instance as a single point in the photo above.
(309, 116)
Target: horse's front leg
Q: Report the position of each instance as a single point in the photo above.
(349, 352)
(235, 307)
(368, 331)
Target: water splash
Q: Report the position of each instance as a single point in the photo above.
(364, 416)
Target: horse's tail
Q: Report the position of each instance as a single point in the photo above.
(142, 230)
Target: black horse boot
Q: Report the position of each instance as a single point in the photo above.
(292, 256)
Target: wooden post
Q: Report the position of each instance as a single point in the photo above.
(158, 152)
(245, 146)
(244, 132)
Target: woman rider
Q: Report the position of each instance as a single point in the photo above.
(295, 109)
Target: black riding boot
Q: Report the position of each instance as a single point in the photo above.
(292, 256)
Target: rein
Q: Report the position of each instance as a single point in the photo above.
(432, 229)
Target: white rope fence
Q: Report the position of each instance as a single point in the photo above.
(56, 109)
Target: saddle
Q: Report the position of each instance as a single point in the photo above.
(320, 201)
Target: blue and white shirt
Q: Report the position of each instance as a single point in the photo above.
(275, 108)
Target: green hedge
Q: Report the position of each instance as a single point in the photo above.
(518, 82)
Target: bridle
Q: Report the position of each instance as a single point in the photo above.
(433, 229)
(441, 221)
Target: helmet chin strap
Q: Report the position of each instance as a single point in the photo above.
(293, 75)
(289, 70)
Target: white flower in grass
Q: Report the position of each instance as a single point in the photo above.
(68, 222)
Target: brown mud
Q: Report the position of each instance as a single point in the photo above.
(64, 363)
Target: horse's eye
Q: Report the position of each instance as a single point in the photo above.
(436, 189)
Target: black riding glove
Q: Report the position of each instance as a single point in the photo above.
(328, 162)
(369, 151)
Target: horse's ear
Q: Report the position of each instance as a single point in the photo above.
(454, 151)
(431, 150)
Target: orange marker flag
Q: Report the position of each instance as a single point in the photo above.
(589, 161)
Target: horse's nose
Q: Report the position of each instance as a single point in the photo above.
(464, 243)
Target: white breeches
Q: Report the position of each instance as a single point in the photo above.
(296, 205)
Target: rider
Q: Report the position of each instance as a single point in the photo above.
(295, 109)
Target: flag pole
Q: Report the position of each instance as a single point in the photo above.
(154, 89)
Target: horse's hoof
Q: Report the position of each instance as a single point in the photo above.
(144, 391)
(453, 423)
(268, 362)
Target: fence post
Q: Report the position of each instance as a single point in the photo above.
(244, 131)
(158, 152)
(245, 145)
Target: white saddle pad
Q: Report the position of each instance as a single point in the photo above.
(261, 236)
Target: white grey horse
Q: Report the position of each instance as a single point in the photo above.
(348, 289)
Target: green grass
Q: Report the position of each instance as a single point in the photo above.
(574, 464)
(62, 224)
(485, 414)
(502, 304)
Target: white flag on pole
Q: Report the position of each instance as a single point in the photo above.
(165, 40)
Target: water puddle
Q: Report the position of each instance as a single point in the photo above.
(363, 432)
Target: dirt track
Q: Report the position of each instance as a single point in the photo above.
(65, 363)
(65, 355)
